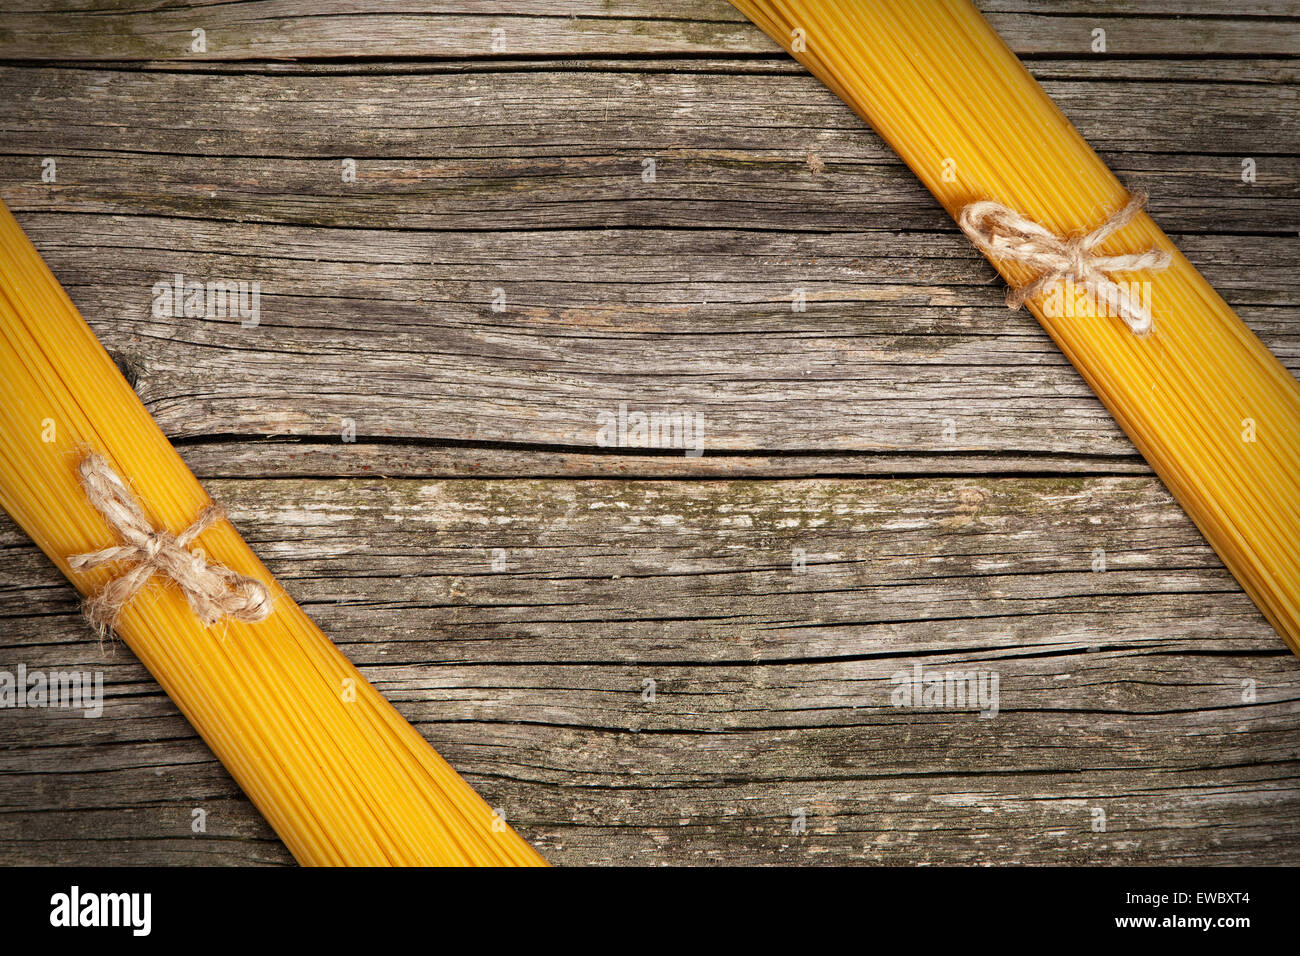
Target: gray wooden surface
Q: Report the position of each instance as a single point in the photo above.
(905, 473)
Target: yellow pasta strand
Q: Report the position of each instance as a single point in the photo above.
(1210, 408)
(339, 774)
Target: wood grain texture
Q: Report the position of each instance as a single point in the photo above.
(516, 622)
(509, 581)
(905, 347)
(564, 148)
(115, 30)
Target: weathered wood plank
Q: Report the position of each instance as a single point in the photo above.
(1120, 691)
(501, 151)
(292, 28)
(697, 186)
(996, 563)
(1254, 71)
(236, 457)
(850, 183)
(533, 114)
(905, 347)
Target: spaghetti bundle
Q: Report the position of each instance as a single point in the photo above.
(1211, 409)
(333, 767)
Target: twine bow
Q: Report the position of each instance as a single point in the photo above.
(214, 592)
(1003, 233)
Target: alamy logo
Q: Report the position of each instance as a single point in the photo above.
(71, 689)
(950, 690)
(679, 429)
(75, 908)
(213, 299)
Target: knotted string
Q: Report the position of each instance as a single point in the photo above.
(214, 592)
(1003, 233)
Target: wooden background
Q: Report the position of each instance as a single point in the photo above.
(510, 583)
